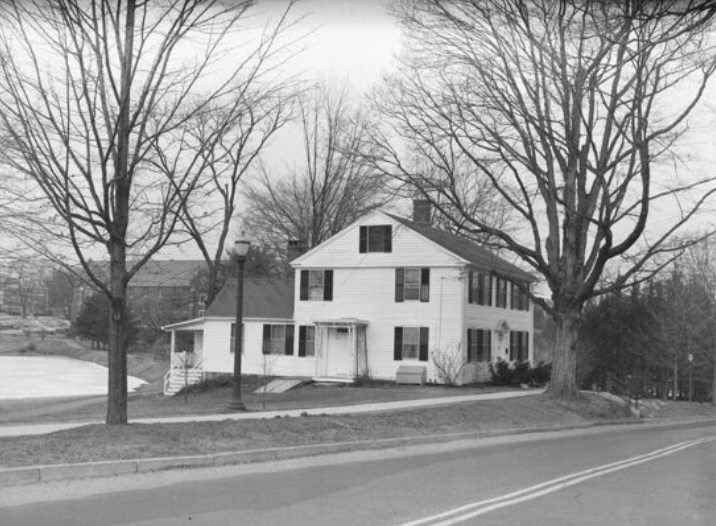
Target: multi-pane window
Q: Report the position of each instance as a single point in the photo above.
(412, 284)
(375, 238)
(501, 296)
(479, 288)
(306, 340)
(232, 346)
(316, 285)
(519, 346)
(411, 290)
(277, 339)
(479, 345)
(519, 299)
(411, 343)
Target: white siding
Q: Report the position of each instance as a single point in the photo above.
(219, 359)
(484, 317)
(409, 249)
(369, 294)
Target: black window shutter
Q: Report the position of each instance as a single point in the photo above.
(470, 298)
(513, 344)
(487, 335)
(425, 285)
(302, 340)
(469, 345)
(399, 284)
(398, 344)
(289, 340)
(303, 295)
(328, 285)
(363, 242)
(424, 335)
(387, 238)
(488, 288)
(266, 347)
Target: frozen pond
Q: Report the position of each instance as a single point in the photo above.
(42, 376)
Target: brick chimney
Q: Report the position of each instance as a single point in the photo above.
(295, 248)
(421, 211)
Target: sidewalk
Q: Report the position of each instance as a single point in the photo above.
(42, 429)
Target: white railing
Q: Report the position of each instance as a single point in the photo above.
(185, 367)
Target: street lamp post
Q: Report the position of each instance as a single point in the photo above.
(241, 248)
(691, 377)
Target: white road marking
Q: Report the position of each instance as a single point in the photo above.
(475, 509)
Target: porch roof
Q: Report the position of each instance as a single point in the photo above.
(263, 298)
(342, 322)
(196, 324)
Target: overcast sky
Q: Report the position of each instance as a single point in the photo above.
(351, 40)
(348, 41)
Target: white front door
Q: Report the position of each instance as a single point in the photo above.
(338, 353)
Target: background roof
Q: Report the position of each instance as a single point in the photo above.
(167, 273)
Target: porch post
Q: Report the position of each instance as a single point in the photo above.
(172, 349)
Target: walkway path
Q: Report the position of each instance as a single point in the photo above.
(41, 429)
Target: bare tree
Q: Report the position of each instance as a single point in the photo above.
(219, 145)
(91, 93)
(562, 108)
(330, 187)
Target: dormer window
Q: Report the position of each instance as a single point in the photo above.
(376, 238)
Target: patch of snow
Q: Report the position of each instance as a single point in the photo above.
(55, 376)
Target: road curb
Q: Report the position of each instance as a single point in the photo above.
(51, 473)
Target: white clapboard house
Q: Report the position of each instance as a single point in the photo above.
(384, 295)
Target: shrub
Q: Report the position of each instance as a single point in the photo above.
(541, 373)
(522, 373)
(449, 365)
(502, 373)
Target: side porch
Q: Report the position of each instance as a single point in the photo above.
(186, 355)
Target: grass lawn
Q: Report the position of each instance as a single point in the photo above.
(99, 442)
(215, 400)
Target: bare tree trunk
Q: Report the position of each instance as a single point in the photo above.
(563, 384)
(117, 394)
(117, 354)
(675, 387)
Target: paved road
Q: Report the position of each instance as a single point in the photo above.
(663, 475)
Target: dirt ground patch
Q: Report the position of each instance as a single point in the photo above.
(99, 442)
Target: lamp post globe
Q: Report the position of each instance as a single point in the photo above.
(241, 249)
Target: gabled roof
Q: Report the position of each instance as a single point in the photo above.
(167, 273)
(263, 298)
(466, 249)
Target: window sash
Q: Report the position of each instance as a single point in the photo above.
(376, 238)
(501, 293)
(411, 285)
(480, 345)
(411, 343)
(316, 284)
(310, 345)
(519, 346)
(277, 345)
